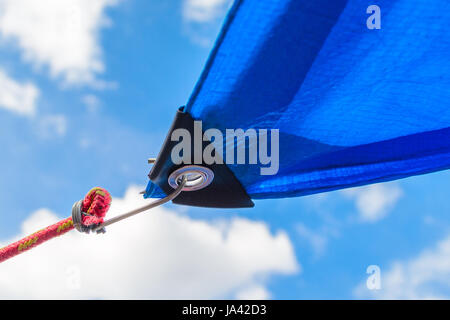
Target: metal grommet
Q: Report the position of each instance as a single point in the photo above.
(76, 215)
(197, 177)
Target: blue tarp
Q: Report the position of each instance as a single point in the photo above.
(353, 105)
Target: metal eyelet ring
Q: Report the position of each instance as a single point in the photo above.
(198, 177)
(77, 216)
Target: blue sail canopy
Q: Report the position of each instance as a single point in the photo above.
(353, 105)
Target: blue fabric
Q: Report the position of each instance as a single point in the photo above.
(153, 191)
(353, 106)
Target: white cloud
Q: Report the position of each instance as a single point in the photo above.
(318, 241)
(92, 102)
(62, 35)
(17, 97)
(161, 254)
(374, 201)
(204, 10)
(201, 19)
(256, 292)
(52, 125)
(426, 276)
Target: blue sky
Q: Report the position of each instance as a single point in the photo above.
(88, 91)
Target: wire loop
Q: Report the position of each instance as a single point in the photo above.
(154, 204)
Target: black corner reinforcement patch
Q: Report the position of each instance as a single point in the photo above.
(225, 191)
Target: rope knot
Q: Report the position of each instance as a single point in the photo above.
(88, 213)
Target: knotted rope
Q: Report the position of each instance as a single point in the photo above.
(93, 209)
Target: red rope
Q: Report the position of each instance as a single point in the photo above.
(95, 205)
